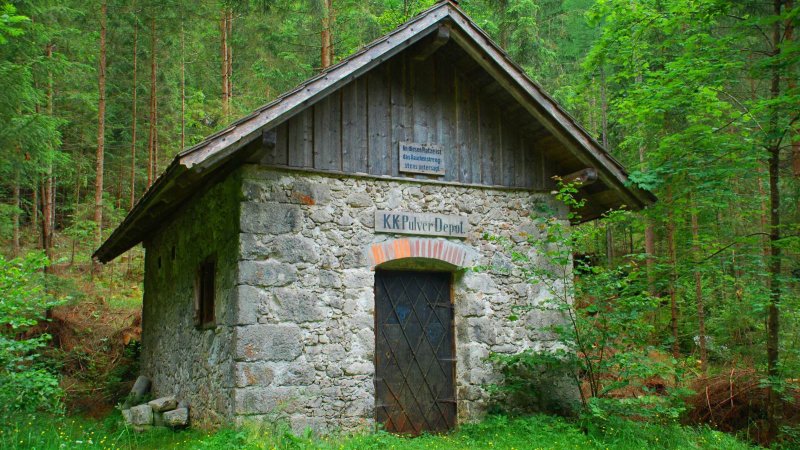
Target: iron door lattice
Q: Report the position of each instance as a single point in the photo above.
(414, 352)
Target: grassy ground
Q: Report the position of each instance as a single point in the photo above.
(536, 432)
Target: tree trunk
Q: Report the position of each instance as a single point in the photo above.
(326, 53)
(35, 211)
(774, 414)
(15, 214)
(133, 106)
(101, 123)
(223, 49)
(47, 185)
(151, 144)
(183, 91)
(229, 57)
(47, 238)
(75, 216)
(698, 292)
(673, 288)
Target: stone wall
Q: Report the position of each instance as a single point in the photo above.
(182, 360)
(304, 335)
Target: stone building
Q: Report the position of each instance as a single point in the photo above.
(309, 261)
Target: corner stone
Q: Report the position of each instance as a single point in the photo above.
(268, 342)
(266, 273)
(270, 218)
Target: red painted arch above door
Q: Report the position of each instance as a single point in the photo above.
(452, 253)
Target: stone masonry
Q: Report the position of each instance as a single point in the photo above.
(305, 332)
(180, 359)
(296, 252)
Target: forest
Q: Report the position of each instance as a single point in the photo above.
(686, 315)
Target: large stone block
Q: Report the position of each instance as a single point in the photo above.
(177, 418)
(142, 415)
(270, 218)
(481, 329)
(295, 249)
(307, 192)
(296, 374)
(358, 278)
(261, 191)
(258, 400)
(251, 303)
(472, 305)
(268, 342)
(296, 305)
(255, 246)
(163, 404)
(359, 200)
(479, 282)
(266, 273)
(253, 374)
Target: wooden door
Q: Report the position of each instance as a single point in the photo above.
(414, 352)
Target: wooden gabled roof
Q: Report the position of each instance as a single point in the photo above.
(195, 165)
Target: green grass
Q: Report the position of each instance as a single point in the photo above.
(535, 432)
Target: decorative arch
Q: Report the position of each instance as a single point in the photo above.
(452, 253)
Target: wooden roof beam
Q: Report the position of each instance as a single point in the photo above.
(432, 43)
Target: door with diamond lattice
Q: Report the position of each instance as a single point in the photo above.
(414, 352)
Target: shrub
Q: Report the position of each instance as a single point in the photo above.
(604, 329)
(26, 384)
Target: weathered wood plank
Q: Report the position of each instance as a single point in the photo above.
(423, 76)
(354, 127)
(510, 148)
(463, 127)
(487, 143)
(380, 144)
(327, 133)
(497, 143)
(474, 139)
(519, 161)
(446, 117)
(301, 139)
(400, 98)
(282, 144)
(532, 176)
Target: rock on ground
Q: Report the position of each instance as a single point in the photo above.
(176, 418)
(163, 404)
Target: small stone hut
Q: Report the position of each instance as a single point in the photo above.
(308, 262)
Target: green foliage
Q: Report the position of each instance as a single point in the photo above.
(534, 432)
(25, 384)
(604, 327)
(10, 22)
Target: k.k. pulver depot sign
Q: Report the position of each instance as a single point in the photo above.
(421, 224)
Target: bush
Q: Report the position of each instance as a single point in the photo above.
(604, 330)
(26, 384)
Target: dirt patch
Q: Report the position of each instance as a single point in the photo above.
(97, 349)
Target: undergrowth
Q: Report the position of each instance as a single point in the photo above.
(533, 432)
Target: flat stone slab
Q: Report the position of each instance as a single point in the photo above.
(163, 404)
(176, 418)
(141, 415)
